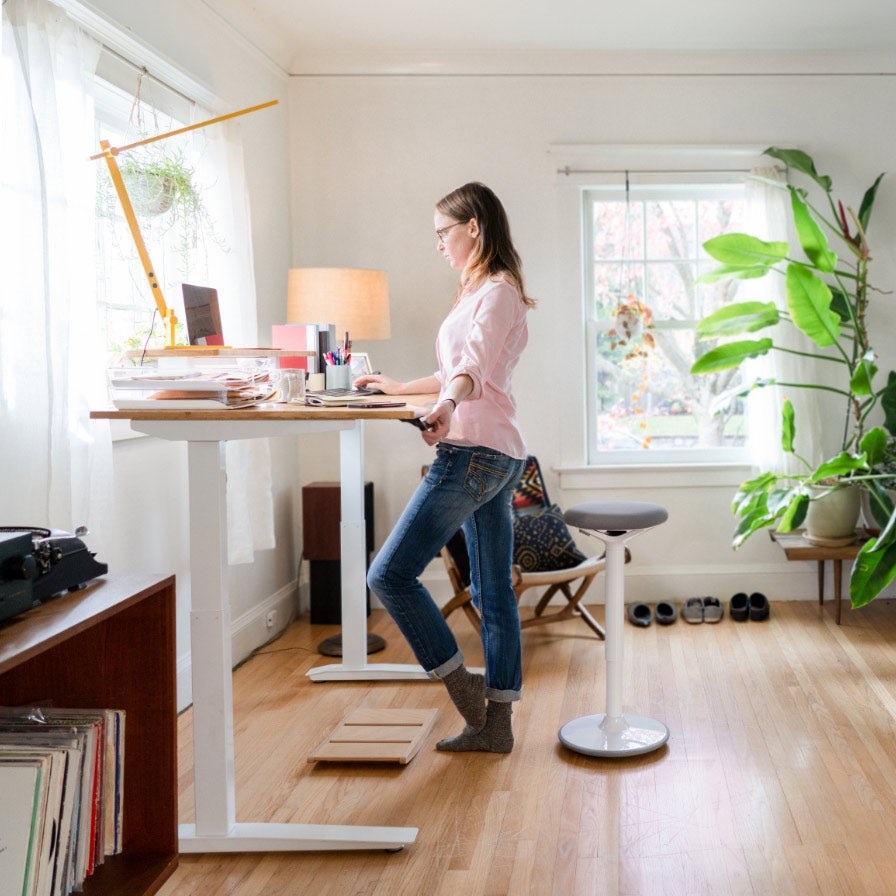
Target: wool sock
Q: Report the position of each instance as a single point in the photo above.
(496, 736)
(467, 691)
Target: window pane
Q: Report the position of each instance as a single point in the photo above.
(671, 229)
(646, 303)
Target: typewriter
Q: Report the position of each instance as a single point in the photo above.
(37, 564)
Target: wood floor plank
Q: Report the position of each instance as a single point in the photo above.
(779, 775)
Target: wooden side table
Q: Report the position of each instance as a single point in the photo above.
(796, 547)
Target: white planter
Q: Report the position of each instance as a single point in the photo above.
(831, 519)
(150, 194)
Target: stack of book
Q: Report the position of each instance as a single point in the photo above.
(61, 780)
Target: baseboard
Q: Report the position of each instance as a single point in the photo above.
(249, 631)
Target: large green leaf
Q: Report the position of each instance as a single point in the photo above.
(800, 161)
(795, 514)
(887, 397)
(788, 427)
(745, 251)
(841, 303)
(838, 466)
(874, 569)
(812, 239)
(731, 354)
(874, 445)
(868, 204)
(863, 374)
(734, 272)
(880, 502)
(741, 317)
(809, 301)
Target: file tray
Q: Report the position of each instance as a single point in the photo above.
(187, 388)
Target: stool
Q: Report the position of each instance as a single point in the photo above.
(613, 733)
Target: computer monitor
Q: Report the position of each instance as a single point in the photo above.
(203, 315)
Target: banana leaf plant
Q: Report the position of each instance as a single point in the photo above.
(827, 296)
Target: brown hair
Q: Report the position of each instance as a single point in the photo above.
(494, 252)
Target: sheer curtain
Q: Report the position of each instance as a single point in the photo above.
(767, 216)
(250, 501)
(55, 464)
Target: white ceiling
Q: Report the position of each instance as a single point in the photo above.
(289, 31)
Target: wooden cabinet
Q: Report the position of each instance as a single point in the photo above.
(112, 645)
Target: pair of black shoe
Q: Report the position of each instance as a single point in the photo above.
(755, 607)
(642, 615)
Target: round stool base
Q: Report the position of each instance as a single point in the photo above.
(598, 735)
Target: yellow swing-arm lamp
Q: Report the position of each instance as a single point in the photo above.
(109, 153)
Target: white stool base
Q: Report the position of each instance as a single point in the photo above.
(626, 735)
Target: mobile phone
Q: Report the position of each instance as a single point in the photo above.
(418, 422)
(375, 404)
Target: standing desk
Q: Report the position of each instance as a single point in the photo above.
(206, 432)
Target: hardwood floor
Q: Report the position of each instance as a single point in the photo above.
(779, 776)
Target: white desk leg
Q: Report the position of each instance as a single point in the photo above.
(353, 546)
(213, 761)
(210, 643)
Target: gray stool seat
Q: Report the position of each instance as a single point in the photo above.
(617, 516)
(614, 733)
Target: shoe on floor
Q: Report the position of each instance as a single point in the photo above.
(665, 613)
(759, 607)
(692, 611)
(739, 607)
(712, 609)
(640, 614)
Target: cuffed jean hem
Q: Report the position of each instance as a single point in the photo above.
(447, 667)
(503, 696)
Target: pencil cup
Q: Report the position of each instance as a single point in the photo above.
(339, 376)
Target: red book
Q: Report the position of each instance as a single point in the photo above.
(302, 337)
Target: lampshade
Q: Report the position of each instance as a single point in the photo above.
(354, 299)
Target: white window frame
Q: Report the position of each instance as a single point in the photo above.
(578, 168)
(686, 187)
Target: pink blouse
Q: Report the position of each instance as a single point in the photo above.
(483, 337)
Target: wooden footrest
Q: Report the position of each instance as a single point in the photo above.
(377, 735)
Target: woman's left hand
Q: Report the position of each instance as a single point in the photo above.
(438, 422)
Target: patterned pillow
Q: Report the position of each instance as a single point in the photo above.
(530, 492)
(542, 542)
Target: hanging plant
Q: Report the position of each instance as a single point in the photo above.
(632, 331)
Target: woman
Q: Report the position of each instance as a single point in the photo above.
(480, 457)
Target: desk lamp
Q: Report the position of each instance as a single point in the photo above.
(109, 153)
(356, 300)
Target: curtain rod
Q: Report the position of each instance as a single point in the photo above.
(142, 69)
(626, 171)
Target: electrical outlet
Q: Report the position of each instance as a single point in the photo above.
(271, 618)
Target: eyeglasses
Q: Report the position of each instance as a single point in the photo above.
(440, 233)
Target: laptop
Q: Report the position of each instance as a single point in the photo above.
(203, 315)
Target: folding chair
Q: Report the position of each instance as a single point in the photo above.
(572, 582)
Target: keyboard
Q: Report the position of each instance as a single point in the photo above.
(344, 393)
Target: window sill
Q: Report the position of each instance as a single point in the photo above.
(641, 476)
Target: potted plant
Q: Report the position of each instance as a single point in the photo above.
(827, 299)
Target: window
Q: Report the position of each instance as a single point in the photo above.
(643, 255)
(181, 244)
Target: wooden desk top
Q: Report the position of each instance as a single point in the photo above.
(796, 547)
(415, 406)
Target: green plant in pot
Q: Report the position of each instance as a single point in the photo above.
(827, 299)
(162, 188)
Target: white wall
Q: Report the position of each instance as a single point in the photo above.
(151, 530)
(371, 155)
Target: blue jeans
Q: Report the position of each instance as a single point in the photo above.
(468, 488)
